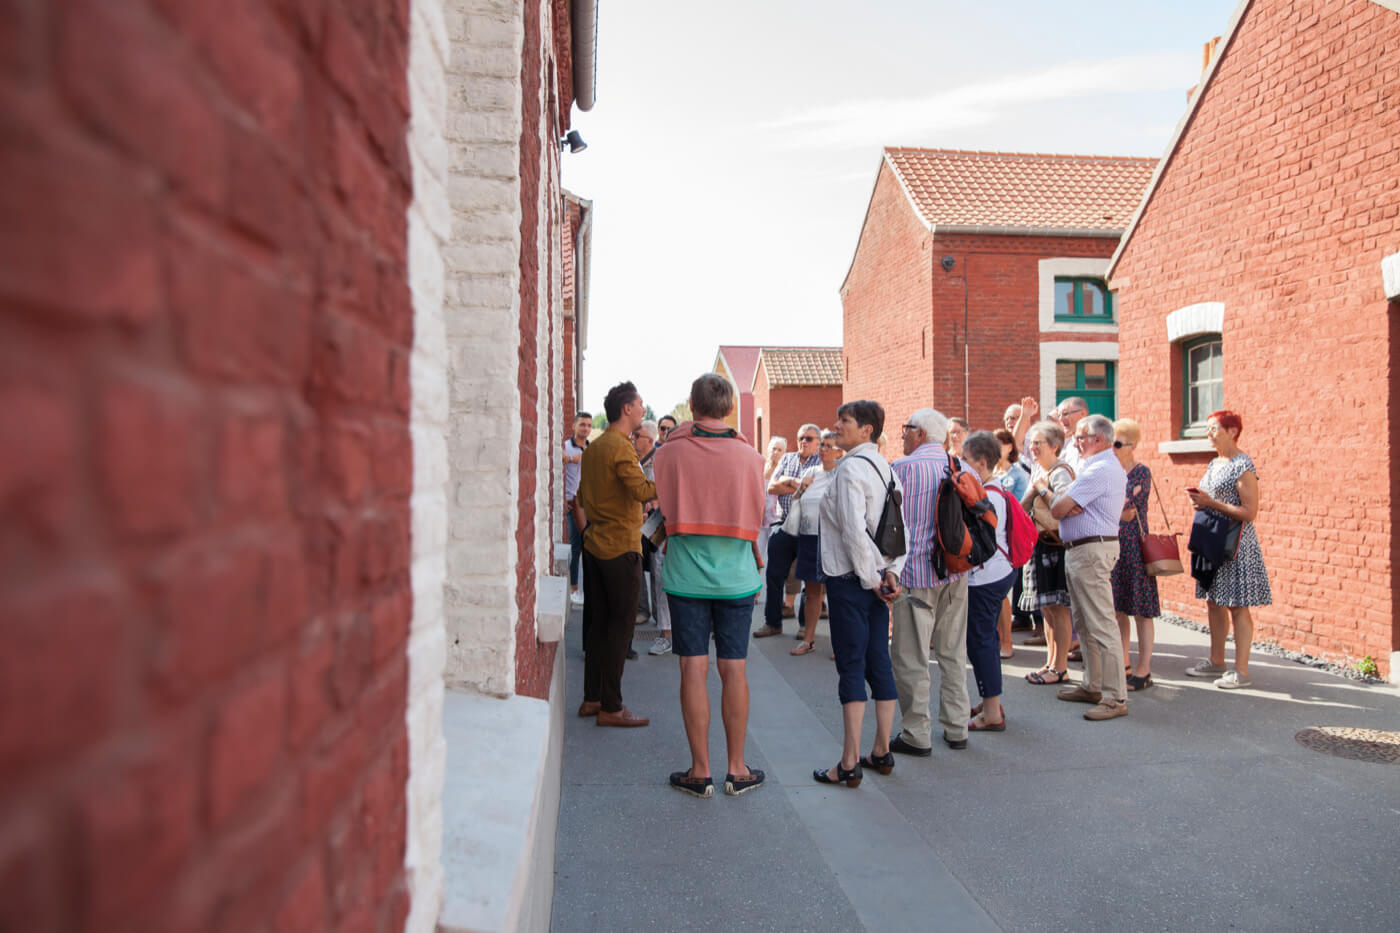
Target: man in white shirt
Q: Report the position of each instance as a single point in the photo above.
(1071, 411)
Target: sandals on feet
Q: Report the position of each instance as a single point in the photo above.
(850, 778)
(881, 763)
(803, 647)
(1045, 674)
(1139, 683)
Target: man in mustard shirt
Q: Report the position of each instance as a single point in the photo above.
(611, 491)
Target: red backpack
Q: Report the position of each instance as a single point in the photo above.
(1022, 533)
(965, 522)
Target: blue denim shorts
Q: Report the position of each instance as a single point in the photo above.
(694, 620)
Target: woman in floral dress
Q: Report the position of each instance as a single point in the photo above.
(1231, 488)
(1134, 592)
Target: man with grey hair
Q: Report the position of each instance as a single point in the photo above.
(1069, 413)
(782, 547)
(931, 607)
(1088, 512)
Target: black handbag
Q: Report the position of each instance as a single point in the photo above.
(889, 531)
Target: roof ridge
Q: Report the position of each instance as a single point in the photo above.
(995, 154)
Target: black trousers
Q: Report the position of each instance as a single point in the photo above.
(610, 591)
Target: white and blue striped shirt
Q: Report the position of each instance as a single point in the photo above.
(1099, 489)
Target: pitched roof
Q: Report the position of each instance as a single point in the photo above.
(1027, 193)
(741, 363)
(801, 366)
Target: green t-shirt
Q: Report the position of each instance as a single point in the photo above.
(710, 567)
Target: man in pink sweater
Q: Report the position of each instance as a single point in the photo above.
(709, 482)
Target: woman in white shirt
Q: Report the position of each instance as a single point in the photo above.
(808, 502)
(987, 587)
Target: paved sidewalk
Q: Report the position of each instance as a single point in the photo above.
(1196, 811)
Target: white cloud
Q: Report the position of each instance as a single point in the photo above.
(888, 120)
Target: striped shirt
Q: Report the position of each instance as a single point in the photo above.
(1099, 490)
(792, 465)
(920, 474)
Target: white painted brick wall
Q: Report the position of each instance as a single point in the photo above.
(429, 227)
(482, 329)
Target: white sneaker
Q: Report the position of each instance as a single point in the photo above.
(1231, 680)
(576, 597)
(662, 645)
(1203, 668)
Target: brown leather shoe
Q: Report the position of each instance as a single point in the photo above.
(1076, 694)
(589, 708)
(1035, 640)
(1107, 709)
(622, 718)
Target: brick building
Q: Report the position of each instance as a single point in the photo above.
(1262, 273)
(737, 364)
(978, 279)
(792, 386)
(577, 246)
(281, 356)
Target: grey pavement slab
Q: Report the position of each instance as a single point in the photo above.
(1196, 810)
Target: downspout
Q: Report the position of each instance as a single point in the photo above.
(585, 42)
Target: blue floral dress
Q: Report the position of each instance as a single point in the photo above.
(1243, 581)
(1134, 592)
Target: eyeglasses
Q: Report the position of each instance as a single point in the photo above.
(909, 429)
(828, 447)
(1118, 445)
(1082, 437)
(809, 440)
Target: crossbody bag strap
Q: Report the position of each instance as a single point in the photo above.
(1161, 505)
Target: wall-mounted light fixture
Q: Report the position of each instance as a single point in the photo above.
(574, 141)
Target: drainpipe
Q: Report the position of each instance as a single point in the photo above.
(585, 43)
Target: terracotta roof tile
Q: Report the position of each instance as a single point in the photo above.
(1022, 190)
(801, 366)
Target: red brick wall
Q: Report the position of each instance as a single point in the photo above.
(1280, 202)
(205, 329)
(787, 408)
(534, 662)
(887, 334)
(904, 324)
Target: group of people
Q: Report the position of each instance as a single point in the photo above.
(737, 522)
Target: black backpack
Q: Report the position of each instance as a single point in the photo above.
(889, 532)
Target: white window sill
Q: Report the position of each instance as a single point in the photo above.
(1193, 445)
(499, 816)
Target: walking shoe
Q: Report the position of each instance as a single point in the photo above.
(956, 745)
(662, 645)
(1035, 640)
(624, 718)
(589, 708)
(734, 786)
(703, 788)
(631, 654)
(1107, 709)
(789, 612)
(767, 631)
(576, 597)
(1077, 694)
(1203, 668)
(1231, 680)
(897, 744)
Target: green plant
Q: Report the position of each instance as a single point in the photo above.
(1369, 667)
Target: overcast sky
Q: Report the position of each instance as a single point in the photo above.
(732, 151)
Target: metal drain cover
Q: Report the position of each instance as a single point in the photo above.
(1356, 744)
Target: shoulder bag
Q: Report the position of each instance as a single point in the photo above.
(1161, 554)
(1045, 523)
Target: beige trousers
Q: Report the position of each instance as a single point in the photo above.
(938, 613)
(1090, 570)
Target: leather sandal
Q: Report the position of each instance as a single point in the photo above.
(850, 778)
(1045, 674)
(881, 763)
(805, 647)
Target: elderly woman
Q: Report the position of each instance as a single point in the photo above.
(958, 429)
(808, 502)
(1230, 488)
(1044, 584)
(777, 446)
(1011, 476)
(987, 586)
(1134, 592)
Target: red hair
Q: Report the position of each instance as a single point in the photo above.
(1228, 419)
